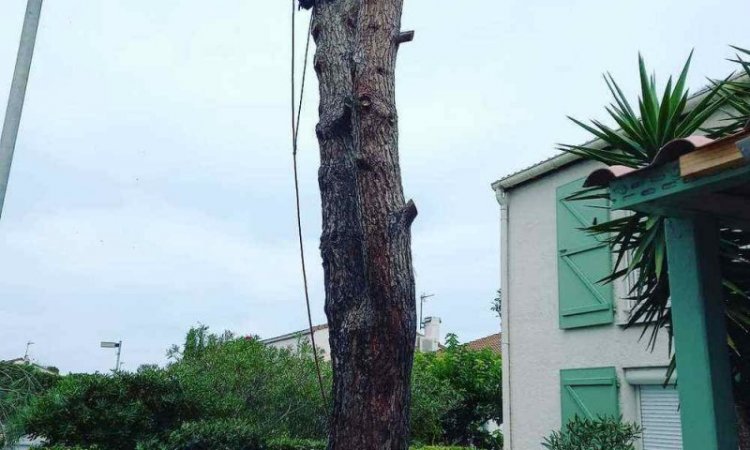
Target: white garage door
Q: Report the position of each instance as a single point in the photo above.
(660, 418)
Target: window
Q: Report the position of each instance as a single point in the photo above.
(582, 261)
(589, 393)
(660, 417)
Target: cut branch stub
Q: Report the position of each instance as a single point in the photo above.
(405, 36)
(409, 213)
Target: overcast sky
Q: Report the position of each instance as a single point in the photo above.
(151, 188)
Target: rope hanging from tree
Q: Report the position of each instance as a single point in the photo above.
(296, 112)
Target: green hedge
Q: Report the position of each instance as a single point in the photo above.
(295, 444)
(274, 444)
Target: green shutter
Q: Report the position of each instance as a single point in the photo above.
(582, 261)
(589, 393)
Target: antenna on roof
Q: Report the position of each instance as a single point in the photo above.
(422, 299)
(26, 354)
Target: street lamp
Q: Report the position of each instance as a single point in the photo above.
(118, 346)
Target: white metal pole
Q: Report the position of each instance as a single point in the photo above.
(18, 93)
(119, 349)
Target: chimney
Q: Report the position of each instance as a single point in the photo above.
(432, 332)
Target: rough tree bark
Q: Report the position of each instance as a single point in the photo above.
(366, 238)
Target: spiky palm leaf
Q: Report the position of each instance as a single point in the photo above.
(638, 240)
(737, 92)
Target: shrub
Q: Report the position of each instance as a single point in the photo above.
(274, 389)
(476, 375)
(62, 447)
(431, 400)
(296, 444)
(438, 447)
(222, 434)
(19, 385)
(600, 434)
(489, 440)
(271, 393)
(108, 411)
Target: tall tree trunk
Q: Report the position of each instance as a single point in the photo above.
(366, 238)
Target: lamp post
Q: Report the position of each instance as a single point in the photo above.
(118, 346)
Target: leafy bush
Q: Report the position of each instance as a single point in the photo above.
(108, 411)
(296, 444)
(431, 399)
(62, 447)
(438, 447)
(489, 440)
(249, 388)
(600, 434)
(274, 389)
(476, 376)
(223, 434)
(19, 385)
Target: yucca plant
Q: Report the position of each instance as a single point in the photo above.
(737, 92)
(638, 240)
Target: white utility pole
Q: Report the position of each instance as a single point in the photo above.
(18, 93)
(118, 346)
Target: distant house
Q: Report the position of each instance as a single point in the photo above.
(491, 342)
(429, 341)
(565, 347)
(27, 361)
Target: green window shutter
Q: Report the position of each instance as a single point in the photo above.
(582, 261)
(589, 393)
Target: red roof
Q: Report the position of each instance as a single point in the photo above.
(491, 342)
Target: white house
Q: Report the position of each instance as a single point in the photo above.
(566, 350)
(427, 342)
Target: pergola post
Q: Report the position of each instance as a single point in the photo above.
(700, 336)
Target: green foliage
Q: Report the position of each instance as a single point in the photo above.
(296, 444)
(735, 252)
(109, 411)
(497, 304)
(250, 390)
(475, 375)
(274, 389)
(212, 378)
(736, 93)
(62, 447)
(601, 434)
(432, 398)
(221, 434)
(438, 447)
(19, 384)
(638, 240)
(660, 119)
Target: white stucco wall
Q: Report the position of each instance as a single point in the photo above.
(426, 343)
(534, 347)
(321, 342)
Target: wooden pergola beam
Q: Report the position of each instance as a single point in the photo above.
(711, 159)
